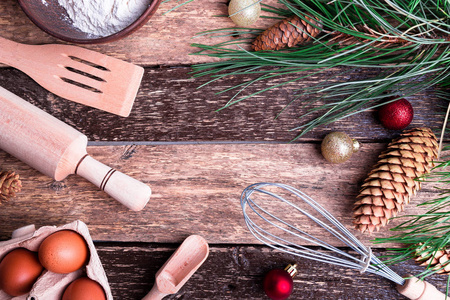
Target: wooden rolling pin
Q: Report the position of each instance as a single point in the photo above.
(58, 150)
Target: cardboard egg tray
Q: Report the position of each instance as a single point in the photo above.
(51, 286)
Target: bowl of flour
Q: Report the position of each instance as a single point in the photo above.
(89, 21)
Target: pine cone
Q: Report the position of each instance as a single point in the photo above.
(10, 184)
(390, 185)
(287, 33)
(437, 260)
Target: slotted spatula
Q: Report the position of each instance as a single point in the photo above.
(77, 74)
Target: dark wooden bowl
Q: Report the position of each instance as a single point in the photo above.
(53, 19)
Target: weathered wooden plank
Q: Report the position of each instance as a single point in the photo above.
(196, 189)
(170, 107)
(164, 40)
(238, 272)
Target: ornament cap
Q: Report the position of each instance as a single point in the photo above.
(356, 145)
(291, 269)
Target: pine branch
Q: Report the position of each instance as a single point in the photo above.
(178, 5)
(401, 39)
(426, 237)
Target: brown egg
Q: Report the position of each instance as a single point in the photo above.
(63, 252)
(19, 270)
(84, 288)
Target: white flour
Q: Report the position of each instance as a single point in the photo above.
(103, 17)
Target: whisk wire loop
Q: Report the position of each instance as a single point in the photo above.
(298, 250)
(347, 237)
(325, 214)
(261, 212)
(365, 261)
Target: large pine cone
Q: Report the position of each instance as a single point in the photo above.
(287, 33)
(10, 184)
(391, 183)
(437, 260)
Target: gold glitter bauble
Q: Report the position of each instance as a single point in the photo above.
(248, 12)
(337, 147)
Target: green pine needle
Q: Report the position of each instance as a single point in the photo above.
(404, 41)
(426, 234)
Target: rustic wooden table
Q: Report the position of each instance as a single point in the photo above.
(197, 162)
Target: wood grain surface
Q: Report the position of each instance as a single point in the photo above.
(164, 40)
(170, 107)
(237, 273)
(196, 190)
(197, 162)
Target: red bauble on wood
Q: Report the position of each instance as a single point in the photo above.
(278, 283)
(396, 115)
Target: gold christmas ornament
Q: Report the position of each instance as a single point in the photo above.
(10, 184)
(288, 33)
(337, 147)
(391, 183)
(244, 12)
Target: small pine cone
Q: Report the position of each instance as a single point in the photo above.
(10, 184)
(391, 183)
(287, 33)
(438, 261)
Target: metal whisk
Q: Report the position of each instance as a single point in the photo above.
(265, 206)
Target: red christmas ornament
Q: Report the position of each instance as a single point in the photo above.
(396, 115)
(278, 283)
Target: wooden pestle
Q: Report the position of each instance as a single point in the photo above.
(58, 150)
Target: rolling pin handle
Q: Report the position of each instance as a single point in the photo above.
(416, 289)
(128, 191)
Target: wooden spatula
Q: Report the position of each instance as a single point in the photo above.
(77, 74)
(179, 267)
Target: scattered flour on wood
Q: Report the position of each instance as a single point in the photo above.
(103, 17)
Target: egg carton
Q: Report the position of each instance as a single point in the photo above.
(51, 286)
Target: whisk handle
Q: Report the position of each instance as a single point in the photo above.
(416, 289)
